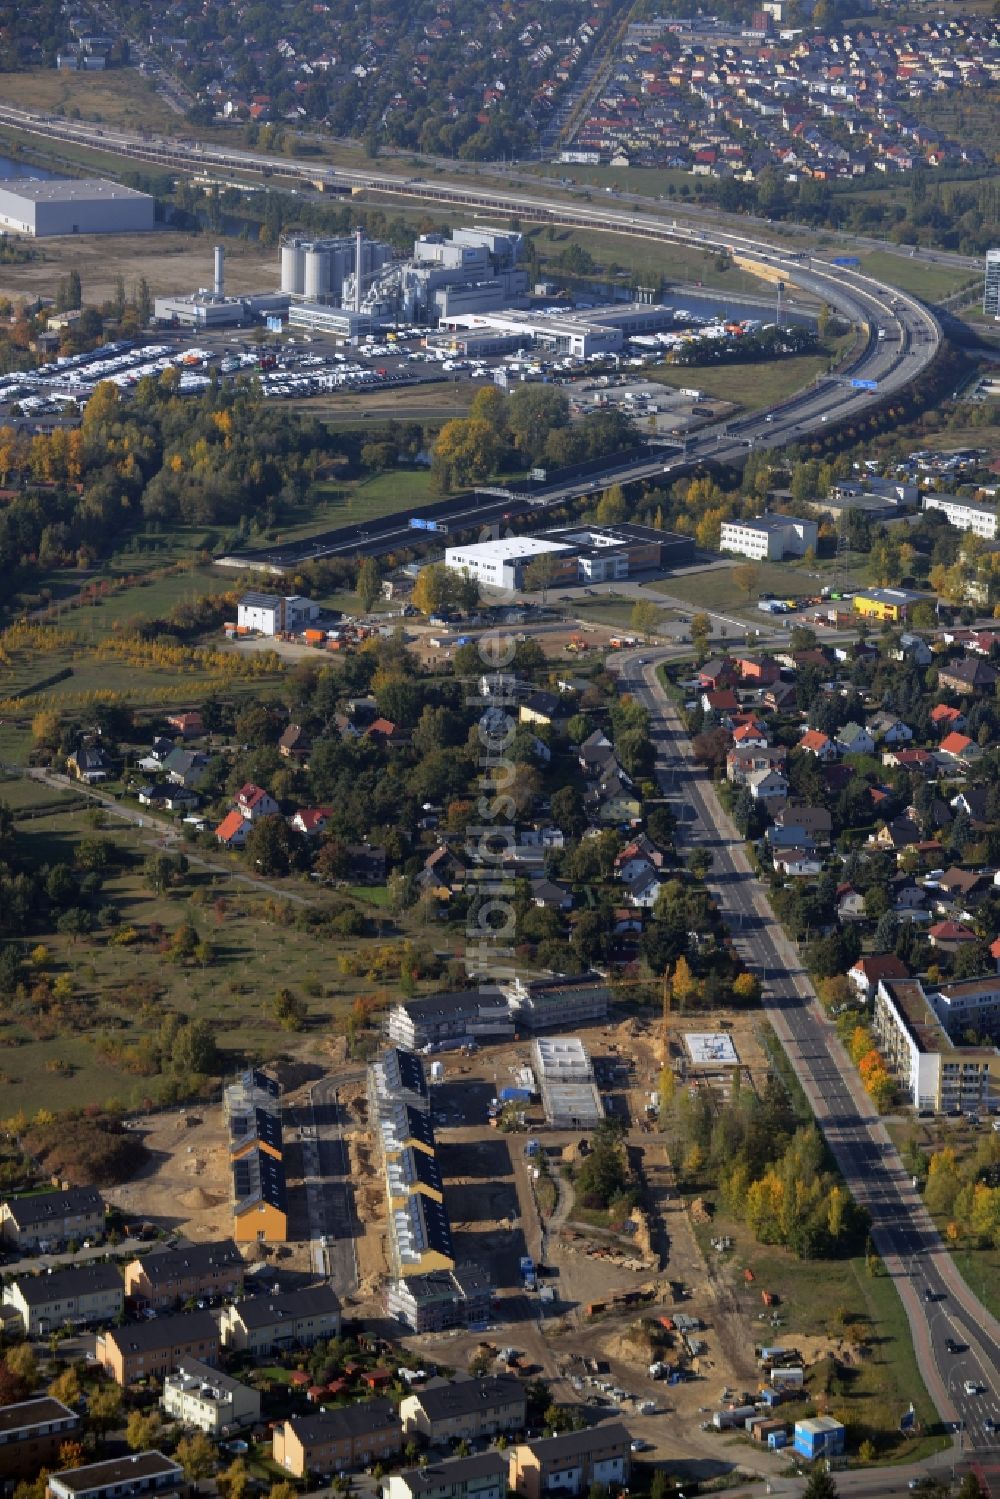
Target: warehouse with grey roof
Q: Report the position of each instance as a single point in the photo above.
(70, 205)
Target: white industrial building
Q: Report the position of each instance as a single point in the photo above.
(602, 331)
(73, 205)
(580, 554)
(501, 564)
(769, 537)
(336, 322)
(273, 614)
(209, 307)
(473, 270)
(566, 1081)
(967, 515)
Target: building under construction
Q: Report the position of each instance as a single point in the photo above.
(566, 1081)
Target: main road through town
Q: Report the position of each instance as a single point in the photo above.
(939, 1305)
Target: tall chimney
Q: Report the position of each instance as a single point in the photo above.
(359, 240)
(220, 278)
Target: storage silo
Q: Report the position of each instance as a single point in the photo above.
(293, 268)
(317, 275)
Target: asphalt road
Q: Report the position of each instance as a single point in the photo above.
(329, 1194)
(937, 1302)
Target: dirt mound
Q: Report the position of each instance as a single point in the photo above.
(701, 1211)
(197, 1197)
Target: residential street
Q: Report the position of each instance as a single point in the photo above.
(902, 1231)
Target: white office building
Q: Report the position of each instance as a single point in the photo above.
(967, 515)
(73, 205)
(273, 614)
(769, 538)
(991, 285)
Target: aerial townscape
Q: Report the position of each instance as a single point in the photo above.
(499, 750)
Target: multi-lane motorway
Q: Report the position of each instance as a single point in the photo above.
(897, 336)
(939, 1306)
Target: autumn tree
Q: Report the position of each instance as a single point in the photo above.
(369, 583)
(196, 1455)
(611, 506)
(541, 572)
(747, 578)
(701, 628)
(142, 1430)
(645, 617)
(466, 450)
(105, 1406)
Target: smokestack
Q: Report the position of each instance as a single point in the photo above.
(220, 277)
(359, 240)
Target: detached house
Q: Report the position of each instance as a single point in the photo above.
(967, 678)
(854, 739)
(253, 802)
(814, 742)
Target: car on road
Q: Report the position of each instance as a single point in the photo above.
(638, 1445)
(971, 1387)
(953, 1347)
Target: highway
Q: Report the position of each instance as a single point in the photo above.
(938, 1304)
(898, 336)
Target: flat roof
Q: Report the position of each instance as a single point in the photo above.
(911, 1004)
(27, 1414)
(770, 522)
(892, 595)
(508, 548)
(117, 1470)
(67, 189)
(711, 1049)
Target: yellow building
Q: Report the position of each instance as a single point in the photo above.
(892, 604)
(256, 1154)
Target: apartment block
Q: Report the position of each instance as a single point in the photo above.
(261, 1324)
(165, 1277)
(558, 1003)
(569, 1464)
(141, 1473)
(483, 1476)
(31, 1433)
(441, 1299)
(80, 1294)
(52, 1217)
(201, 1396)
(465, 1409)
(154, 1349)
(936, 1072)
(334, 1440)
(966, 515)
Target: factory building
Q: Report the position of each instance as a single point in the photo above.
(73, 206)
(209, 307)
(473, 270)
(580, 554)
(317, 270)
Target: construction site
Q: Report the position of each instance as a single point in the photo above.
(645, 1315)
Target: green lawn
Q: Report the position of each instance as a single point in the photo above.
(715, 588)
(747, 386)
(382, 494)
(932, 282)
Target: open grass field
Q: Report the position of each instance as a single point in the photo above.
(749, 387)
(432, 404)
(171, 261)
(121, 96)
(823, 1300)
(929, 281)
(122, 993)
